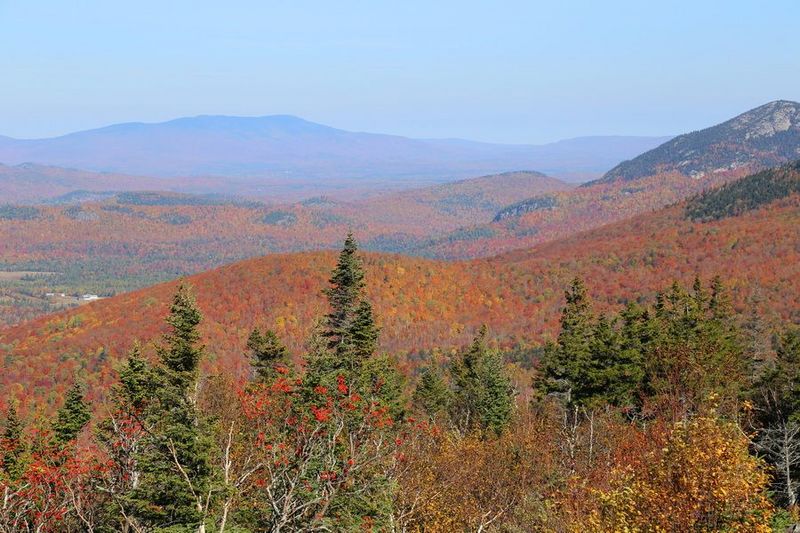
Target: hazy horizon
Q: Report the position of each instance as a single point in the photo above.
(521, 73)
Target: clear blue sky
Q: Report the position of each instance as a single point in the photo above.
(513, 71)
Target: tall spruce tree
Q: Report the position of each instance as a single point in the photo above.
(345, 295)
(72, 416)
(595, 362)
(364, 332)
(12, 444)
(135, 383)
(121, 434)
(432, 395)
(269, 355)
(483, 397)
(175, 463)
(349, 327)
(567, 366)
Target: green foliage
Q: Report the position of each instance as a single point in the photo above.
(568, 368)
(696, 352)
(432, 394)
(685, 351)
(380, 381)
(268, 354)
(180, 355)
(175, 461)
(777, 391)
(348, 327)
(72, 416)
(483, 397)
(745, 194)
(12, 445)
(363, 332)
(135, 382)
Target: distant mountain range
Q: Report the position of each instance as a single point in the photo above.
(762, 137)
(288, 148)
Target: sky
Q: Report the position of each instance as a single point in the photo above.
(499, 71)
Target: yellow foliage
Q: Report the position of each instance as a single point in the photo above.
(704, 479)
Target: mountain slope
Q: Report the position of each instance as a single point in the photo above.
(290, 148)
(422, 303)
(762, 137)
(678, 169)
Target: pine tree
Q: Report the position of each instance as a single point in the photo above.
(175, 463)
(364, 332)
(12, 445)
(122, 433)
(349, 327)
(497, 404)
(619, 369)
(380, 381)
(72, 416)
(719, 304)
(566, 367)
(344, 296)
(432, 395)
(269, 355)
(135, 382)
(697, 354)
(482, 393)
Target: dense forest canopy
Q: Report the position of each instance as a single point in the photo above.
(342, 439)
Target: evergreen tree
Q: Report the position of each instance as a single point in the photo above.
(380, 381)
(72, 416)
(482, 393)
(135, 382)
(175, 463)
(349, 327)
(618, 368)
(364, 332)
(778, 389)
(432, 395)
(497, 404)
(122, 433)
(12, 445)
(268, 354)
(720, 303)
(566, 367)
(344, 297)
(697, 354)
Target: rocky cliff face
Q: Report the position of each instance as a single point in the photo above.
(765, 136)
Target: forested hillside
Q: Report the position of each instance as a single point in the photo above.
(135, 239)
(746, 194)
(424, 304)
(631, 419)
(762, 137)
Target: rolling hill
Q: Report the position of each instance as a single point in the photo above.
(423, 303)
(28, 183)
(289, 151)
(133, 239)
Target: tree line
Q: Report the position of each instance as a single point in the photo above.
(661, 417)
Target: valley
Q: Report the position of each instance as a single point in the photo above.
(107, 242)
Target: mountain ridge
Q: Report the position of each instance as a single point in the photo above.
(764, 136)
(289, 147)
